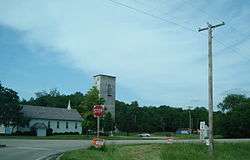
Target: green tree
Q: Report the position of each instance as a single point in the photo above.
(90, 99)
(235, 123)
(54, 98)
(231, 101)
(108, 122)
(10, 110)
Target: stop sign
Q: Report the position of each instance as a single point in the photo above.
(98, 110)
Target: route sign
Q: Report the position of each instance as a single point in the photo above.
(98, 110)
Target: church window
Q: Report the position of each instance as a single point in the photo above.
(76, 125)
(57, 124)
(48, 124)
(67, 125)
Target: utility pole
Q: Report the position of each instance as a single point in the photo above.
(210, 82)
(190, 120)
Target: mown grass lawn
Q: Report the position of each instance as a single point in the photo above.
(223, 151)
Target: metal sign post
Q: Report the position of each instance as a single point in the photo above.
(98, 127)
(98, 111)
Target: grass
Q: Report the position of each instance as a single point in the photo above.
(223, 151)
(132, 136)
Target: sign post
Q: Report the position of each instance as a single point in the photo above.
(98, 112)
(98, 127)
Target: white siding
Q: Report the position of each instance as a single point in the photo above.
(53, 125)
(2, 129)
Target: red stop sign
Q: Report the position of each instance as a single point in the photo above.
(98, 110)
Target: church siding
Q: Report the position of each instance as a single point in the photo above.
(53, 125)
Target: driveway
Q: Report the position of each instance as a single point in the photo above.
(18, 149)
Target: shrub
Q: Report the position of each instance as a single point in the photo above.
(49, 132)
(25, 133)
(17, 133)
(67, 133)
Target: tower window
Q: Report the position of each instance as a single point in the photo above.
(76, 125)
(109, 90)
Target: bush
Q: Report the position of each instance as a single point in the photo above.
(17, 133)
(67, 133)
(49, 132)
(25, 133)
(169, 134)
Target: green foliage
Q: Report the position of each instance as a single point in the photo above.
(54, 98)
(231, 101)
(108, 122)
(131, 118)
(232, 121)
(89, 122)
(235, 122)
(223, 151)
(90, 99)
(9, 107)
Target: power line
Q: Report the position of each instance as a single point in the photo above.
(151, 15)
(220, 20)
(209, 15)
(235, 51)
(168, 21)
(165, 13)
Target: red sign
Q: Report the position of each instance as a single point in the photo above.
(98, 110)
(97, 142)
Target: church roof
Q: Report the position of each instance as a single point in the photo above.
(41, 112)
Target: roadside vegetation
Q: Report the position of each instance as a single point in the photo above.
(223, 151)
(232, 120)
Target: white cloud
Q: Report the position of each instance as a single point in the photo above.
(156, 61)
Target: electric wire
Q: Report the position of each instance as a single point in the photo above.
(171, 22)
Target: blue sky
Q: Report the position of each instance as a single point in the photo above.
(62, 44)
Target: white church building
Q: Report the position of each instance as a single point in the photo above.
(60, 120)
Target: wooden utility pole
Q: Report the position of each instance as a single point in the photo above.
(210, 82)
(190, 120)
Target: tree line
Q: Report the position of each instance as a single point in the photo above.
(231, 120)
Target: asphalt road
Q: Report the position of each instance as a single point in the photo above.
(18, 149)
